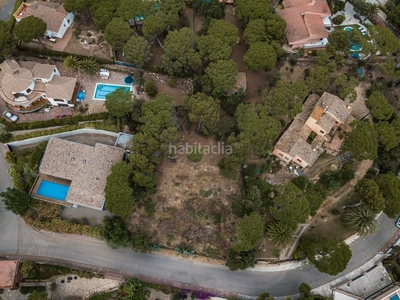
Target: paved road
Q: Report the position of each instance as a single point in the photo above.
(17, 238)
(6, 10)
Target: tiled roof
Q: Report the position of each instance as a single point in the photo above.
(52, 13)
(305, 20)
(43, 71)
(8, 272)
(334, 106)
(18, 80)
(61, 88)
(86, 166)
(304, 150)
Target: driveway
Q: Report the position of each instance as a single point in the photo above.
(17, 238)
(7, 10)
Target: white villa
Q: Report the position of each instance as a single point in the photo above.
(56, 17)
(24, 83)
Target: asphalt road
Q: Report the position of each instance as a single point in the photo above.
(18, 238)
(6, 10)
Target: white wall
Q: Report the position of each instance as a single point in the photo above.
(67, 22)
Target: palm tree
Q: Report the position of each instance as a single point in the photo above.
(89, 66)
(361, 219)
(370, 11)
(71, 63)
(280, 233)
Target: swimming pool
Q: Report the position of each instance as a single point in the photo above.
(103, 89)
(53, 190)
(395, 297)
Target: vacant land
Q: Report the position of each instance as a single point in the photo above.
(193, 204)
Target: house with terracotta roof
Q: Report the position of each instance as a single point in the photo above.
(57, 19)
(307, 22)
(302, 141)
(8, 274)
(75, 174)
(24, 83)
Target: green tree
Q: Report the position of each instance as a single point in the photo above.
(239, 260)
(360, 219)
(170, 11)
(180, 54)
(150, 88)
(115, 232)
(363, 142)
(4, 134)
(28, 269)
(248, 232)
(394, 16)
(203, 110)
(129, 9)
(370, 194)
(328, 256)
(220, 77)
(224, 31)
(286, 99)
(371, 11)
(280, 234)
(212, 48)
(319, 79)
(257, 126)
(260, 56)
(30, 28)
(265, 296)
(7, 42)
(290, 205)
(385, 41)
(247, 10)
(117, 33)
(379, 107)
(339, 41)
(388, 67)
(344, 86)
(89, 66)
(214, 9)
(102, 12)
(80, 7)
(255, 32)
(16, 200)
(119, 103)
(389, 186)
(153, 26)
(276, 29)
(38, 295)
(118, 193)
(71, 62)
(132, 289)
(138, 50)
(388, 137)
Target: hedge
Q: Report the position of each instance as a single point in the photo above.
(34, 134)
(53, 122)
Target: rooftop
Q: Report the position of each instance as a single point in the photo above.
(8, 272)
(86, 166)
(334, 106)
(61, 88)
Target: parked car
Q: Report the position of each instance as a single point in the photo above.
(10, 116)
(398, 222)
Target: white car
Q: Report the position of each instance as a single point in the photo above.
(398, 222)
(10, 116)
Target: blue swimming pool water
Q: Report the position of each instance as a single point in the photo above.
(104, 89)
(395, 297)
(128, 80)
(53, 190)
(353, 46)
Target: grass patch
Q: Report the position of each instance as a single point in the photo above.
(104, 296)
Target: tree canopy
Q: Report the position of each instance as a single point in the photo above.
(214, 9)
(239, 260)
(117, 33)
(118, 193)
(379, 107)
(138, 50)
(212, 48)
(119, 103)
(30, 28)
(248, 232)
(224, 31)
(255, 32)
(370, 194)
(363, 141)
(247, 10)
(220, 77)
(203, 110)
(328, 256)
(115, 232)
(319, 79)
(180, 54)
(387, 134)
(339, 41)
(260, 56)
(385, 41)
(16, 200)
(153, 26)
(389, 186)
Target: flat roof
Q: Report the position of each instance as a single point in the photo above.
(8, 271)
(87, 167)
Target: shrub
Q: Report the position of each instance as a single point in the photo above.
(172, 82)
(28, 269)
(338, 19)
(195, 155)
(149, 207)
(150, 88)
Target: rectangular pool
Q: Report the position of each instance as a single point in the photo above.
(53, 190)
(395, 297)
(103, 89)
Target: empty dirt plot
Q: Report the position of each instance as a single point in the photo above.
(193, 204)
